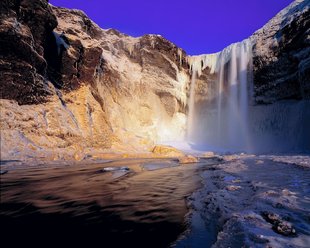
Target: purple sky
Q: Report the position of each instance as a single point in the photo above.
(198, 26)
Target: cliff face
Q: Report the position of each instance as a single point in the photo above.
(24, 26)
(138, 82)
(35, 120)
(82, 88)
(69, 88)
(281, 55)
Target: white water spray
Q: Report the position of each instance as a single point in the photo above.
(222, 122)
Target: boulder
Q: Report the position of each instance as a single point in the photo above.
(233, 187)
(285, 228)
(279, 225)
(208, 155)
(166, 151)
(188, 159)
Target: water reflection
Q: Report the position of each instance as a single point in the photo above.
(141, 206)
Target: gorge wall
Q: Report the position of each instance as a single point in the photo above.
(73, 85)
(281, 65)
(71, 89)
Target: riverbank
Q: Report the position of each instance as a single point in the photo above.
(252, 201)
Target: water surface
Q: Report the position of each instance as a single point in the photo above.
(125, 203)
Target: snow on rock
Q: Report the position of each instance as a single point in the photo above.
(281, 55)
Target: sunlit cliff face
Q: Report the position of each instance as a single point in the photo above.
(143, 99)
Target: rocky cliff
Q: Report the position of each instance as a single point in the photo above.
(281, 55)
(24, 26)
(69, 84)
(71, 89)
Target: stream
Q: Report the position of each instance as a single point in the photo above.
(235, 201)
(124, 203)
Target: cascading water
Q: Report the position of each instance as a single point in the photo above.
(221, 120)
(223, 115)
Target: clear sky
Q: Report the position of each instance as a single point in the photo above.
(198, 26)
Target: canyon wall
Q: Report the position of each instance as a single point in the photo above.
(281, 75)
(70, 89)
(281, 55)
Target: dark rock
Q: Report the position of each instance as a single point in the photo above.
(78, 66)
(285, 228)
(22, 41)
(55, 46)
(281, 56)
(279, 225)
(271, 217)
(80, 24)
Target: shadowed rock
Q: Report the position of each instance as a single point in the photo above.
(279, 225)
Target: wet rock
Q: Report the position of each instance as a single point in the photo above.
(188, 159)
(285, 228)
(230, 157)
(271, 217)
(233, 188)
(208, 155)
(167, 151)
(2, 172)
(278, 224)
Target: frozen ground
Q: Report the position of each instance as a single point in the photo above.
(252, 201)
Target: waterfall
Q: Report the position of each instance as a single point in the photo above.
(224, 117)
(219, 119)
(191, 112)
